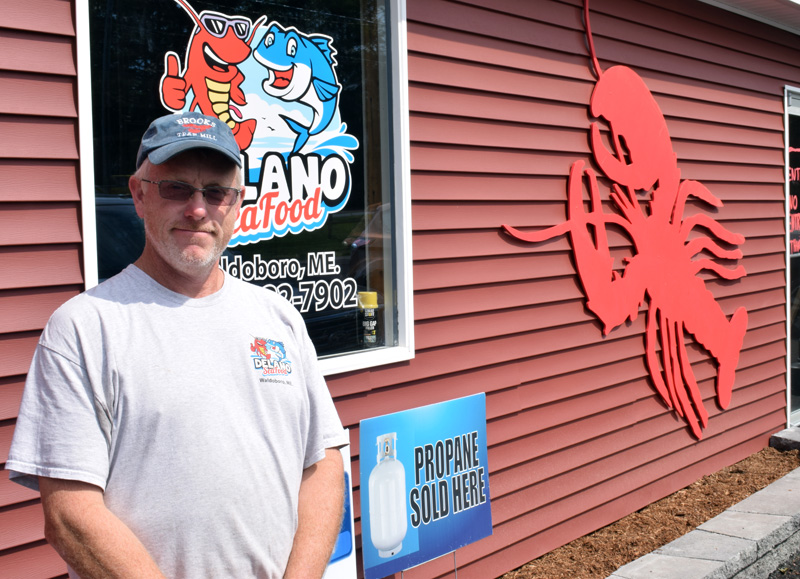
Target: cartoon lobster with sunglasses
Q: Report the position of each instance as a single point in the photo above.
(218, 44)
(642, 163)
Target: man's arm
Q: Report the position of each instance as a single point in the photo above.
(89, 537)
(319, 514)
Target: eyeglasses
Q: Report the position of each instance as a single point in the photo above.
(180, 191)
(218, 24)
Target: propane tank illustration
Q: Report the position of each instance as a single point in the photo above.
(387, 504)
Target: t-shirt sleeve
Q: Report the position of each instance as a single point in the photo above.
(325, 429)
(63, 430)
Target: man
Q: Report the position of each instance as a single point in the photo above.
(159, 446)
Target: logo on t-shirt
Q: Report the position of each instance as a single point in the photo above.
(269, 356)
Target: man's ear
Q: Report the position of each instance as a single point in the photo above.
(137, 192)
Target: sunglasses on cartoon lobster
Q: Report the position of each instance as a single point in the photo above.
(218, 24)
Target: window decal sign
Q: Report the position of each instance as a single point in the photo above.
(302, 86)
(277, 88)
(643, 164)
(424, 484)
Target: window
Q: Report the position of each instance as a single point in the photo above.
(315, 92)
(793, 241)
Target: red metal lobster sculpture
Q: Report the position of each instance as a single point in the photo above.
(662, 265)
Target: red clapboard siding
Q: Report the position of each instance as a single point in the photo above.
(16, 352)
(32, 69)
(461, 46)
(471, 298)
(613, 50)
(523, 365)
(447, 273)
(645, 414)
(514, 544)
(475, 160)
(36, 223)
(6, 433)
(555, 30)
(732, 30)
(39, 236)
(10, 396)
(499, 101)
(38, 138)
(749, 118)
(433, 245)
(37, 94)
(48, 16)
(545, 454)
(21, 524)
(705, 172)
(36, 53)
(446, 244)
(532, 406)
(441, 273)
(727, 191)
(12, 493)
(38, 180)
(428, 186)
(480, 105)
(502, 322)
(484, 133)
(38, 561)
(479, 76)
(499, 110)
(35, 266)
(474, 105)
(29, 309)
(433, 215)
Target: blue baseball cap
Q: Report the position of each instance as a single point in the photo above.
(172, 134)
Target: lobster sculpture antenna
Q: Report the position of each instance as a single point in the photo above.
(663, 268)
(597, 71)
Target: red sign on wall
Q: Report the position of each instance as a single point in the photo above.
(794, 184)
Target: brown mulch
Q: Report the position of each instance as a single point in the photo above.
(601, 553)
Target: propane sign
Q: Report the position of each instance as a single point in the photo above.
(424, 484)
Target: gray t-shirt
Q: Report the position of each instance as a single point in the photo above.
(195, 416)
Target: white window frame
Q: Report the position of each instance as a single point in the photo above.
(401, 190)
(789, 107)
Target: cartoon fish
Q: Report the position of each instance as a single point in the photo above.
(268, 349)
(275, 350)
(300, 68)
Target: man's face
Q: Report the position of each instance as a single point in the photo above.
(187, 236)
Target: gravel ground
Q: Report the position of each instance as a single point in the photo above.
(599, 554)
